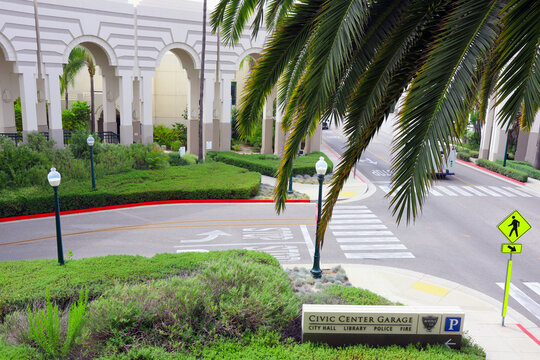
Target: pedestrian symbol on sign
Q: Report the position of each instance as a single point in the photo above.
(514, 226)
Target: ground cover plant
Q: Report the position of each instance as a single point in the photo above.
(268, 164)
(218, 305)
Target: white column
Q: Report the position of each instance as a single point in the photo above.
(193, 111)
(27, 84)
(56, 132)
(208, 114)
(279, 136)
(268, 123)
(147, 136)
(136, 110)
(532, 154)
(126, 99)
(110, 95)
(487, 129)
(225, 121)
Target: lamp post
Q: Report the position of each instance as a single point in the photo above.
(321, 168)
(90, 141)
(290, 190)
(54, 179)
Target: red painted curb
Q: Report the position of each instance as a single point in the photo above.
(489, 171)
(160, 202)
(529, 334)
(339, 157)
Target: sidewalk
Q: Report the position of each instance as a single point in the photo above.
(482, 313)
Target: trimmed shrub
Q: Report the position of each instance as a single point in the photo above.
(176, 160)
(190, 158)
(464, 155)
(506, 171)
(268, 164)
(523, 166)
(202, 181)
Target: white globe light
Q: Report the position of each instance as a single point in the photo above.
(321, 166)
(90, 140)
(54, 177)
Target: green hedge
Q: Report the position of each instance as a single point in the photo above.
(523, 166)
(25, 282)
(268, 164)
(506, 171)
(204, 181)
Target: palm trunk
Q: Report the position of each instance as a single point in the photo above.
(66, 97)
(202, 85)
(92, 116)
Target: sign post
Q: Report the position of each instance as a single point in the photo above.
(512, 227)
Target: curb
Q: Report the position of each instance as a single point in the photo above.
(474, 166)
(149, 203)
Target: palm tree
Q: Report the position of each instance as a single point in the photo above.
(75, 63)
(353, 60)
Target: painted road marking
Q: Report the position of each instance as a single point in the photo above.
(385, 255)
(506, 193)
(434, 192)
(474, 191)
(486, 190)
(356, 221)
(353, 216)
(358, 227)
(368, 239)
(374, 247)
(351, 212)
(515, 191)
(361, 233)
(308, 241)
(431, 289)
(534, 286)
(523, 299)
(459, 190)
(444, 190)
(352, 207)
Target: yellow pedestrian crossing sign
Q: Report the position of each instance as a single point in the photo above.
(511, 248)
(514, 226)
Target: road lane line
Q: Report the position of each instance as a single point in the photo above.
(534, 286)
(308, 241)
(349, 207)
(269, 243)
(352, 216)
(459, 190)
(385, 188)
(522, 298)
(506, 193)
(361, 233)
(356, 221)
(386, 255)
(474, 191)
(351, 212)
(515, 191)
(374, 247)
(463, 181)
(367, 239)
(445, 190)
(357, 227)
(487, 191)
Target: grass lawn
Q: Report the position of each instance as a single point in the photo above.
(204, 181)
(217, 305)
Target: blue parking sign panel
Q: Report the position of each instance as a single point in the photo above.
(452, 324)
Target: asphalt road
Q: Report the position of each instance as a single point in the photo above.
(456, 236)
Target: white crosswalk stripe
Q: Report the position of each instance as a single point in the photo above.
(525, 300)
(361, 235)
(470, 191)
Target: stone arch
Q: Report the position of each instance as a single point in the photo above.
(107, 49)
(250, 51)
(7, 48)
(183, 52)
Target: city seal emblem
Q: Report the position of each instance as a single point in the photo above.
(429, 322)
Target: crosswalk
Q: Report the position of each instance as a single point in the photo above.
(525, 295)
(469, 191)
(361, 235)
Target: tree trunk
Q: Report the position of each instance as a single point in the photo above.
(92, 116)
(202, 85)
(66, 96)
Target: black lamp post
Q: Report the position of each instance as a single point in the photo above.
(90, 141)
(54, 179)
(321, 168)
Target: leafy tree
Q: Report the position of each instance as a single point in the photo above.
(353, 60)
(76, 62)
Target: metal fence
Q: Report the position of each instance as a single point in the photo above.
(13, 136)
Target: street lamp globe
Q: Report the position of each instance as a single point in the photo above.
(321, 166)
(54, 177)
(90, 140)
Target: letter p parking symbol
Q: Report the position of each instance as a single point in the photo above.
(452, 324)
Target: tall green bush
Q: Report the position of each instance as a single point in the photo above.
(18, 114)
(173, 138)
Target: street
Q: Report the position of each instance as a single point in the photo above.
(455, 237)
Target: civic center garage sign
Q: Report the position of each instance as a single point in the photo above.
(382, 325)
